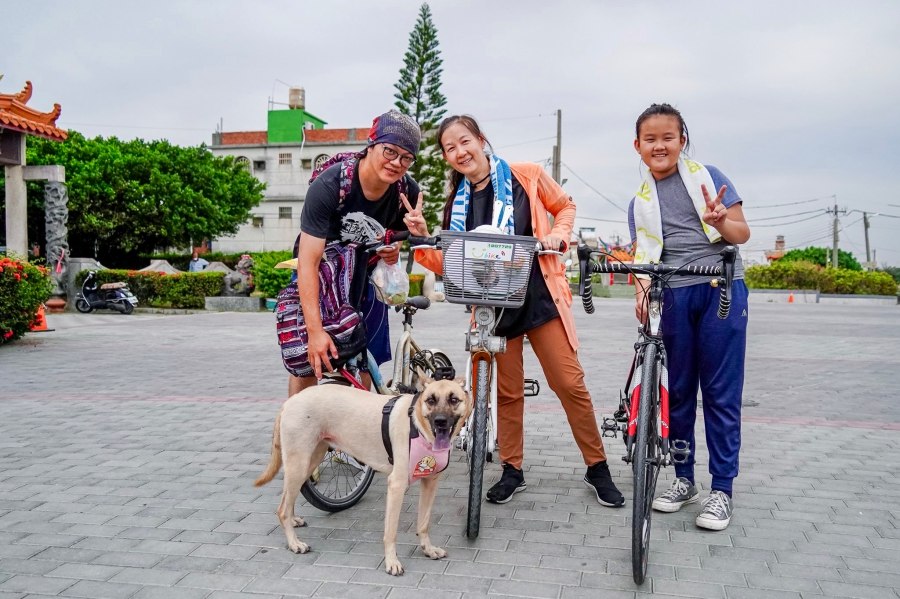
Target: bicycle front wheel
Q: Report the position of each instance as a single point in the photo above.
(338, 483)
(646, 464)
(477, 447)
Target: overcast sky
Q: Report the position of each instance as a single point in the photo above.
(794, 101)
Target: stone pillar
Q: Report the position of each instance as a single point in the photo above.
(56, 214)
(16, 211)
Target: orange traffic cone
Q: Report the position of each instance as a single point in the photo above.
(40, 321)
(791, 297)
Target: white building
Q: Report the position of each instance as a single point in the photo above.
(283, 157)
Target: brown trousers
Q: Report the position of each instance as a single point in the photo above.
(565, 377)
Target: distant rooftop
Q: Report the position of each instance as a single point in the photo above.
(313, 136)
(15, 115)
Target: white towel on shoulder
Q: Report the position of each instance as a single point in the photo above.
(647, 217)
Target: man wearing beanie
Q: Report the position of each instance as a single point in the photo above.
(378, 181)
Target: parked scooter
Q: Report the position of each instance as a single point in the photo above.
(110, 296)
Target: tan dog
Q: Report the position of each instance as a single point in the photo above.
(350, 420)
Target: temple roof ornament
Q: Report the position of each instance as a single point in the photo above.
(15, 115)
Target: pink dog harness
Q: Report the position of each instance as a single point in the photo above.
(423, 460)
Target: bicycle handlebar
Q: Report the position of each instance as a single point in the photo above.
(656, 271)
(393, 236)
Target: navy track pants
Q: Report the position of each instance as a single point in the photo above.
(706, 352)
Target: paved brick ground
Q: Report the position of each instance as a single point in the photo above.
(128, 447)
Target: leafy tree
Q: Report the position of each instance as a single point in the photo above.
(128, 198)
(419, 96)
(821, 256)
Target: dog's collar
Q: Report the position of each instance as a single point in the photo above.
(385, 424)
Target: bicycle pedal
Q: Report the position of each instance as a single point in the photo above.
(532, 387)
(489, 457)
(680, 451)
(610, 427)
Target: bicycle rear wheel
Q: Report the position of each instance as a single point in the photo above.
(645, 464)
(477, 447)
(338, 483)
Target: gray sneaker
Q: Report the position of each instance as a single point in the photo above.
(717, 510)
(680, 493)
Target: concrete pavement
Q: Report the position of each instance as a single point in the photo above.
(128, 447)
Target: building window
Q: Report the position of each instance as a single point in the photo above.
(284, 158)
(257, 221)
(285, 212)
(321, 159)
(306, 163)
(259, 165)
(243, 162)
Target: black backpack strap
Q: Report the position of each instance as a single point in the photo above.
(386, 427)
(386, 424)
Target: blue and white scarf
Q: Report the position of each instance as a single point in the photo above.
(502, 213)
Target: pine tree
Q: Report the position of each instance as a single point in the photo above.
(419, 96)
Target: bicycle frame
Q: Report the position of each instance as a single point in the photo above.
(650, 333)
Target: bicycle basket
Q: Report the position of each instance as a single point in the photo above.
(486, 269)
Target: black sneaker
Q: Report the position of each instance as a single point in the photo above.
(511, 482)
(600, 481)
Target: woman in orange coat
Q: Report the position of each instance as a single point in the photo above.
(527, 196)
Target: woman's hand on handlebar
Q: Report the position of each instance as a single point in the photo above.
(414, 219)
(553, 243)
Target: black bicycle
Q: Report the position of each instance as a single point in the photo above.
(643, 413)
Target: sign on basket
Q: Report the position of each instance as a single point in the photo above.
(482, 250)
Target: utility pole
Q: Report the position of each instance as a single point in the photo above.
(866, 229)
(557, 149)
(834, 248)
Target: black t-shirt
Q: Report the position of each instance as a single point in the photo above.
(321, 217)
(538, 308)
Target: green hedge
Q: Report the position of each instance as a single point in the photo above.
(23, 288)
(805, 275)
(268, 279)
(160, 290)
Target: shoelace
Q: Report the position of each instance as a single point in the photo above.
(717, 504)
(679, 488)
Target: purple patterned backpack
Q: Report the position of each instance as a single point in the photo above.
(339, 319)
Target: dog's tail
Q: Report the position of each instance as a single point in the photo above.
(275, 459)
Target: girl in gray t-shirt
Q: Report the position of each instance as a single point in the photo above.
(687, 212)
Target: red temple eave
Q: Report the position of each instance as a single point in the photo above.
(15, 115)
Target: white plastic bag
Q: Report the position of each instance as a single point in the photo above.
(391, 283)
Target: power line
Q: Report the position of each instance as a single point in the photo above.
(522, 143)
(788, 215)
(792, 222)
(592, 188)
(787, 203)
(136, 127)
(602, 220)
(518, 118)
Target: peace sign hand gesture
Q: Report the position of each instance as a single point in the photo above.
(716, 213)
(414, 219)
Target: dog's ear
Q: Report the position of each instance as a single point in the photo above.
(422, 379)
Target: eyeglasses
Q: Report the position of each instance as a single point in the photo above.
(390, 154)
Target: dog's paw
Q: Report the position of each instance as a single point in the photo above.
(434, 552)
(298, 522)
(298, 546)
(393, 567)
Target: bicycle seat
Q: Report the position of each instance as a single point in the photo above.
(419, 302)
